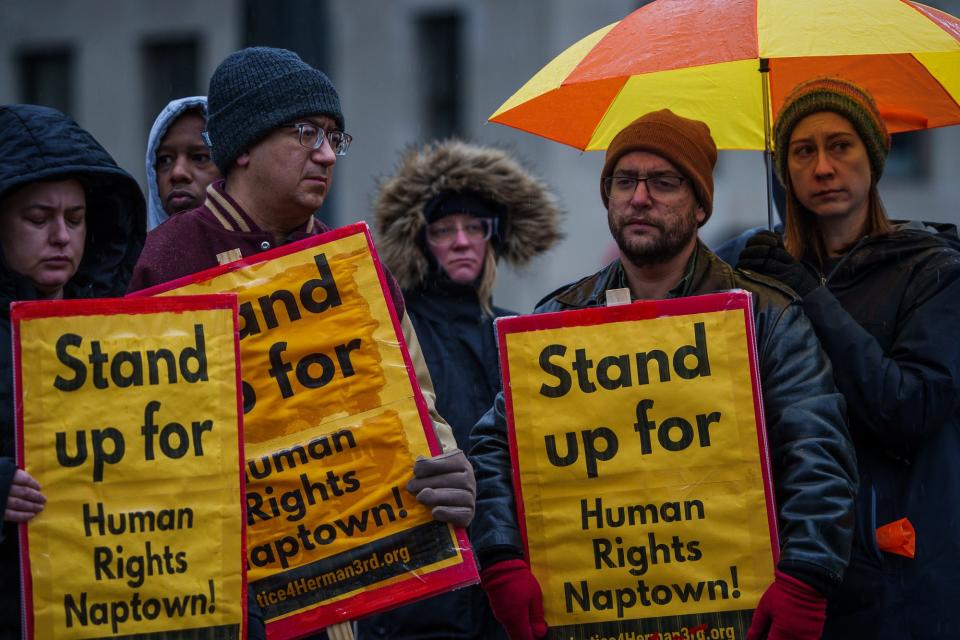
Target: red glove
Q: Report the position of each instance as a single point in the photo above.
(788, 610)
(515, 598)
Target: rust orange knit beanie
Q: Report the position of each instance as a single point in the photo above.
(684, 142)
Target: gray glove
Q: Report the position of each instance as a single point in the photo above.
(446, 485)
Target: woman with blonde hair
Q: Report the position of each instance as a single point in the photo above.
(884, 298)
(443, 220)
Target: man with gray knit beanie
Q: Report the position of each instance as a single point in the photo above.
(258, 89)
(657, 187)
(276, 129)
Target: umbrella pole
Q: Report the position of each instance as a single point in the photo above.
(767, 155)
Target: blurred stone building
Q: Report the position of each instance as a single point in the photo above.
(408, 71)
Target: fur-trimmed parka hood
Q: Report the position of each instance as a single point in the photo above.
(532, 217)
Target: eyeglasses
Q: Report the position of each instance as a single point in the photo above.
(445, 232)
(312, 137)
(661, 185)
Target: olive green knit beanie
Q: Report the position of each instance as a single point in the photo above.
(839, 96)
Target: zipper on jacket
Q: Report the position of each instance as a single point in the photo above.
(825, 278)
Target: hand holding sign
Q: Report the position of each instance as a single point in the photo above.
(24, 500)
(790, 609)
(447, 486)
(515, 598)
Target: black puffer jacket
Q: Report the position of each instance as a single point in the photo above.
(814, 470)
(38, 143)
(460, 346)
(888, 319)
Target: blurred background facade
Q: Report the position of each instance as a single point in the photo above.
(408, 71)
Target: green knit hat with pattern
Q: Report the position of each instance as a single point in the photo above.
(842, 97)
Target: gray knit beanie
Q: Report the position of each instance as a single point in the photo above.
(257, 89)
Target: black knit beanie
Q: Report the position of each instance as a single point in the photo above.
(447, 203)
(257, 89)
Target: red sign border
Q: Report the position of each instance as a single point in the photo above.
(34, 310)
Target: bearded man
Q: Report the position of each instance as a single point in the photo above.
(657, 186)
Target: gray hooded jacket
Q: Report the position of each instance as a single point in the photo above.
(155, 212)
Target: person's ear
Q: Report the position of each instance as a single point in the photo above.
(701, 215)
(243, 160)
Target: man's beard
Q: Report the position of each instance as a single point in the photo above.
(674, 235)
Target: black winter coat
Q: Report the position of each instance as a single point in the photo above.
(811, 456)
(459, 345)
(888, 319)
(38, 143)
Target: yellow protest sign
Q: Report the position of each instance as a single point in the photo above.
(640, 466)
(334, 420)
(128, 416)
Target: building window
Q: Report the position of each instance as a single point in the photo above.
(171, 70)
(45, 78)
(438, 46)
(304, 27)
(909, 158)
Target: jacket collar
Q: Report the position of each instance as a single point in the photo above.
(233, 218)
(705, 273)
(711, 274)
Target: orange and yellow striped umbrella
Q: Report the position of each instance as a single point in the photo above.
(702, 59)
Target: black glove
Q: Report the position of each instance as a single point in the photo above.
(766, 255)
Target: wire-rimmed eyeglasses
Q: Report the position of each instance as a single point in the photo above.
(443, 232)
(312, 137)
(660, 185)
